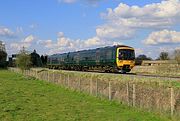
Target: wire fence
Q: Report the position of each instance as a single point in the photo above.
(159, 98)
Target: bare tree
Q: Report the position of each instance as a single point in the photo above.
(177, 56)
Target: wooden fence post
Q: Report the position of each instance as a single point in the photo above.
(59, 79)
(172, 101)
(96, 87)
(110, 94)
(68, 84)
(134, 95)
(36, 75)
(127, 85)
(80, 83)
(91, 85)
(48, 77)
(53, 80)
(64, 80)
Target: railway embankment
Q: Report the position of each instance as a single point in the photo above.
(161, 95)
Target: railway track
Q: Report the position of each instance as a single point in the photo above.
(130, 74)
(160, 76)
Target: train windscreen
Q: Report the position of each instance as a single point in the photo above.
(126, 54)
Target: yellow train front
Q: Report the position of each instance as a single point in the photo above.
(119, 58)
(125, 58)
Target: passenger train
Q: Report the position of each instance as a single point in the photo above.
(119, 58)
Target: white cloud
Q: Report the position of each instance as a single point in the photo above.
(26, 42)
(155, 15)
(6, 32)
(95, 41)
(139, 51)
(46, 43)
(29, 39)
(111, 32)
(65, 44)
(14, 45)
(123, 21)
(60, 34)
(18, 46)
(163, 37)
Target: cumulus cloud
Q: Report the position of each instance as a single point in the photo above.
(26, 42)
(95, 41)
(163, 37)
(112, 32)
(46, 43)
(161, 15)
(29, 39)
(6, 32)
(123, 21)
(65, 44)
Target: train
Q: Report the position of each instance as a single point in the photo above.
(118, 58)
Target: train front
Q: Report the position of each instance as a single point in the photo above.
(125, 59)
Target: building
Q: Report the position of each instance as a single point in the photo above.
(12, 60)
(2, 46)
(158, 62)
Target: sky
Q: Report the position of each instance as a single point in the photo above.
(58, 26)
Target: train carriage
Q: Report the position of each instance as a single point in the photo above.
(109, 59)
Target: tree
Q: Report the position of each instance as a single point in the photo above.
(163, 56)
(143, 57)
(44, 59)
(3, 56)
(140, 58)
(36, 60)
(23, 60)
(177, 56)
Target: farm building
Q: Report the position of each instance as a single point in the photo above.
(158, 62)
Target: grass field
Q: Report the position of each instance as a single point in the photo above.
(26, 99)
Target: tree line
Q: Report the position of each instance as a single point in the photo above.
(23, 59)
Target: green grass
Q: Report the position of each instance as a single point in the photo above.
(27, 99)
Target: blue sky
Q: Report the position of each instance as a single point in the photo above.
(57, 26)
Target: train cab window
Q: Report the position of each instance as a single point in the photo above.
(126, 54)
